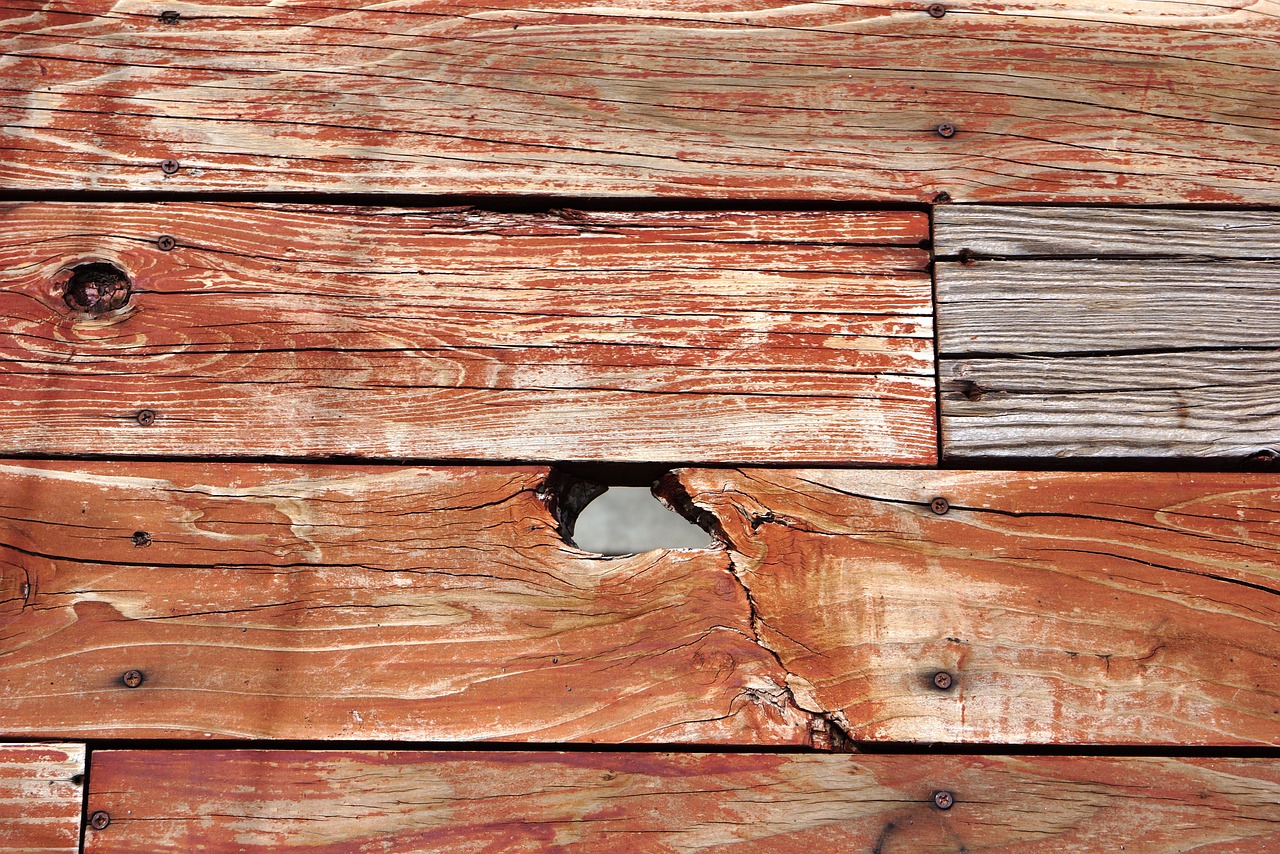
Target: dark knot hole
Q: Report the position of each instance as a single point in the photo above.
(97, 288)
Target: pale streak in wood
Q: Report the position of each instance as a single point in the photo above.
(1010, 232)
(1119, 358)
(41, 798)
(460, 334)
(1120, 101)
(331, 801)
(420, 604)
(1070, 608)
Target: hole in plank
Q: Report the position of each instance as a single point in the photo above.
(97, 288)
(630, 520)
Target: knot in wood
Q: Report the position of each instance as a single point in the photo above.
(97, 288)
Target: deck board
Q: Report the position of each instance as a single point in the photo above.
(1122, 101)
(41, 798)
(460, 334)
(335, 800)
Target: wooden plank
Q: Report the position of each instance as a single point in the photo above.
(1066, 608)
(41, 797)
(424, 604)
(1109, 358)
(1060, 232)
(460, 334)
(1102, 101)
(228, 800)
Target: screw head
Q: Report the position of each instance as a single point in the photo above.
(146, 418)
(944, 800)
(141, 539)
(132, 678)
(99, 820)
(166, 243)
(946, 130)
(940, 505)
(937, 10)
(169, 167)
(942, 680)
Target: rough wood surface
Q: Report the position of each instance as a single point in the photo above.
(1106, 100)
(1011, 232)
(460, 334)
(321, 602)
(1068, 608)
(41, 797)
(180, 801)
(1120, 358)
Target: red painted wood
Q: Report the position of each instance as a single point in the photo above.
(1117, 101)
(461, 334)
(345, 801)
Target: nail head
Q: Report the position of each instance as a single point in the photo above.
(943, 800)
(99, 820)
(166, 243)
(169, 167)
(940, 505)
(946, 130)
(132, 678)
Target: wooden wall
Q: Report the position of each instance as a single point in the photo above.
(956, 327)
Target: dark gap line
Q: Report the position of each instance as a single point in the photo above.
(1119, 751)
(501, 203)
(971, 259)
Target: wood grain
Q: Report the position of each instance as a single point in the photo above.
(1068, 608)
(461, 334)
(1100, 101)
(1109, 358)
(41, 797)
(330, 801)
(420, 604)
(1065, 232)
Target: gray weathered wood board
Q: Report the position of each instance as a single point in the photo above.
(1145, 232)
(1059, 355)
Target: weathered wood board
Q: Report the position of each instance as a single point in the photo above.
(41, 797)
(424, 604)
(1119, 101)
(244, 800)
(460, 334)
(1113, 355)
(1065, 608)
(1010, 231)
(440, 604)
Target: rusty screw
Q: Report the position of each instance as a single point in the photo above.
(169, 167)
(166, 243)
(141, 539)
(944, 800)
(146, 418)
(942, 680)
(937, 10)
(99, 820)
(940, 505)
(946, 130)
(170, 17)
(132, 678)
